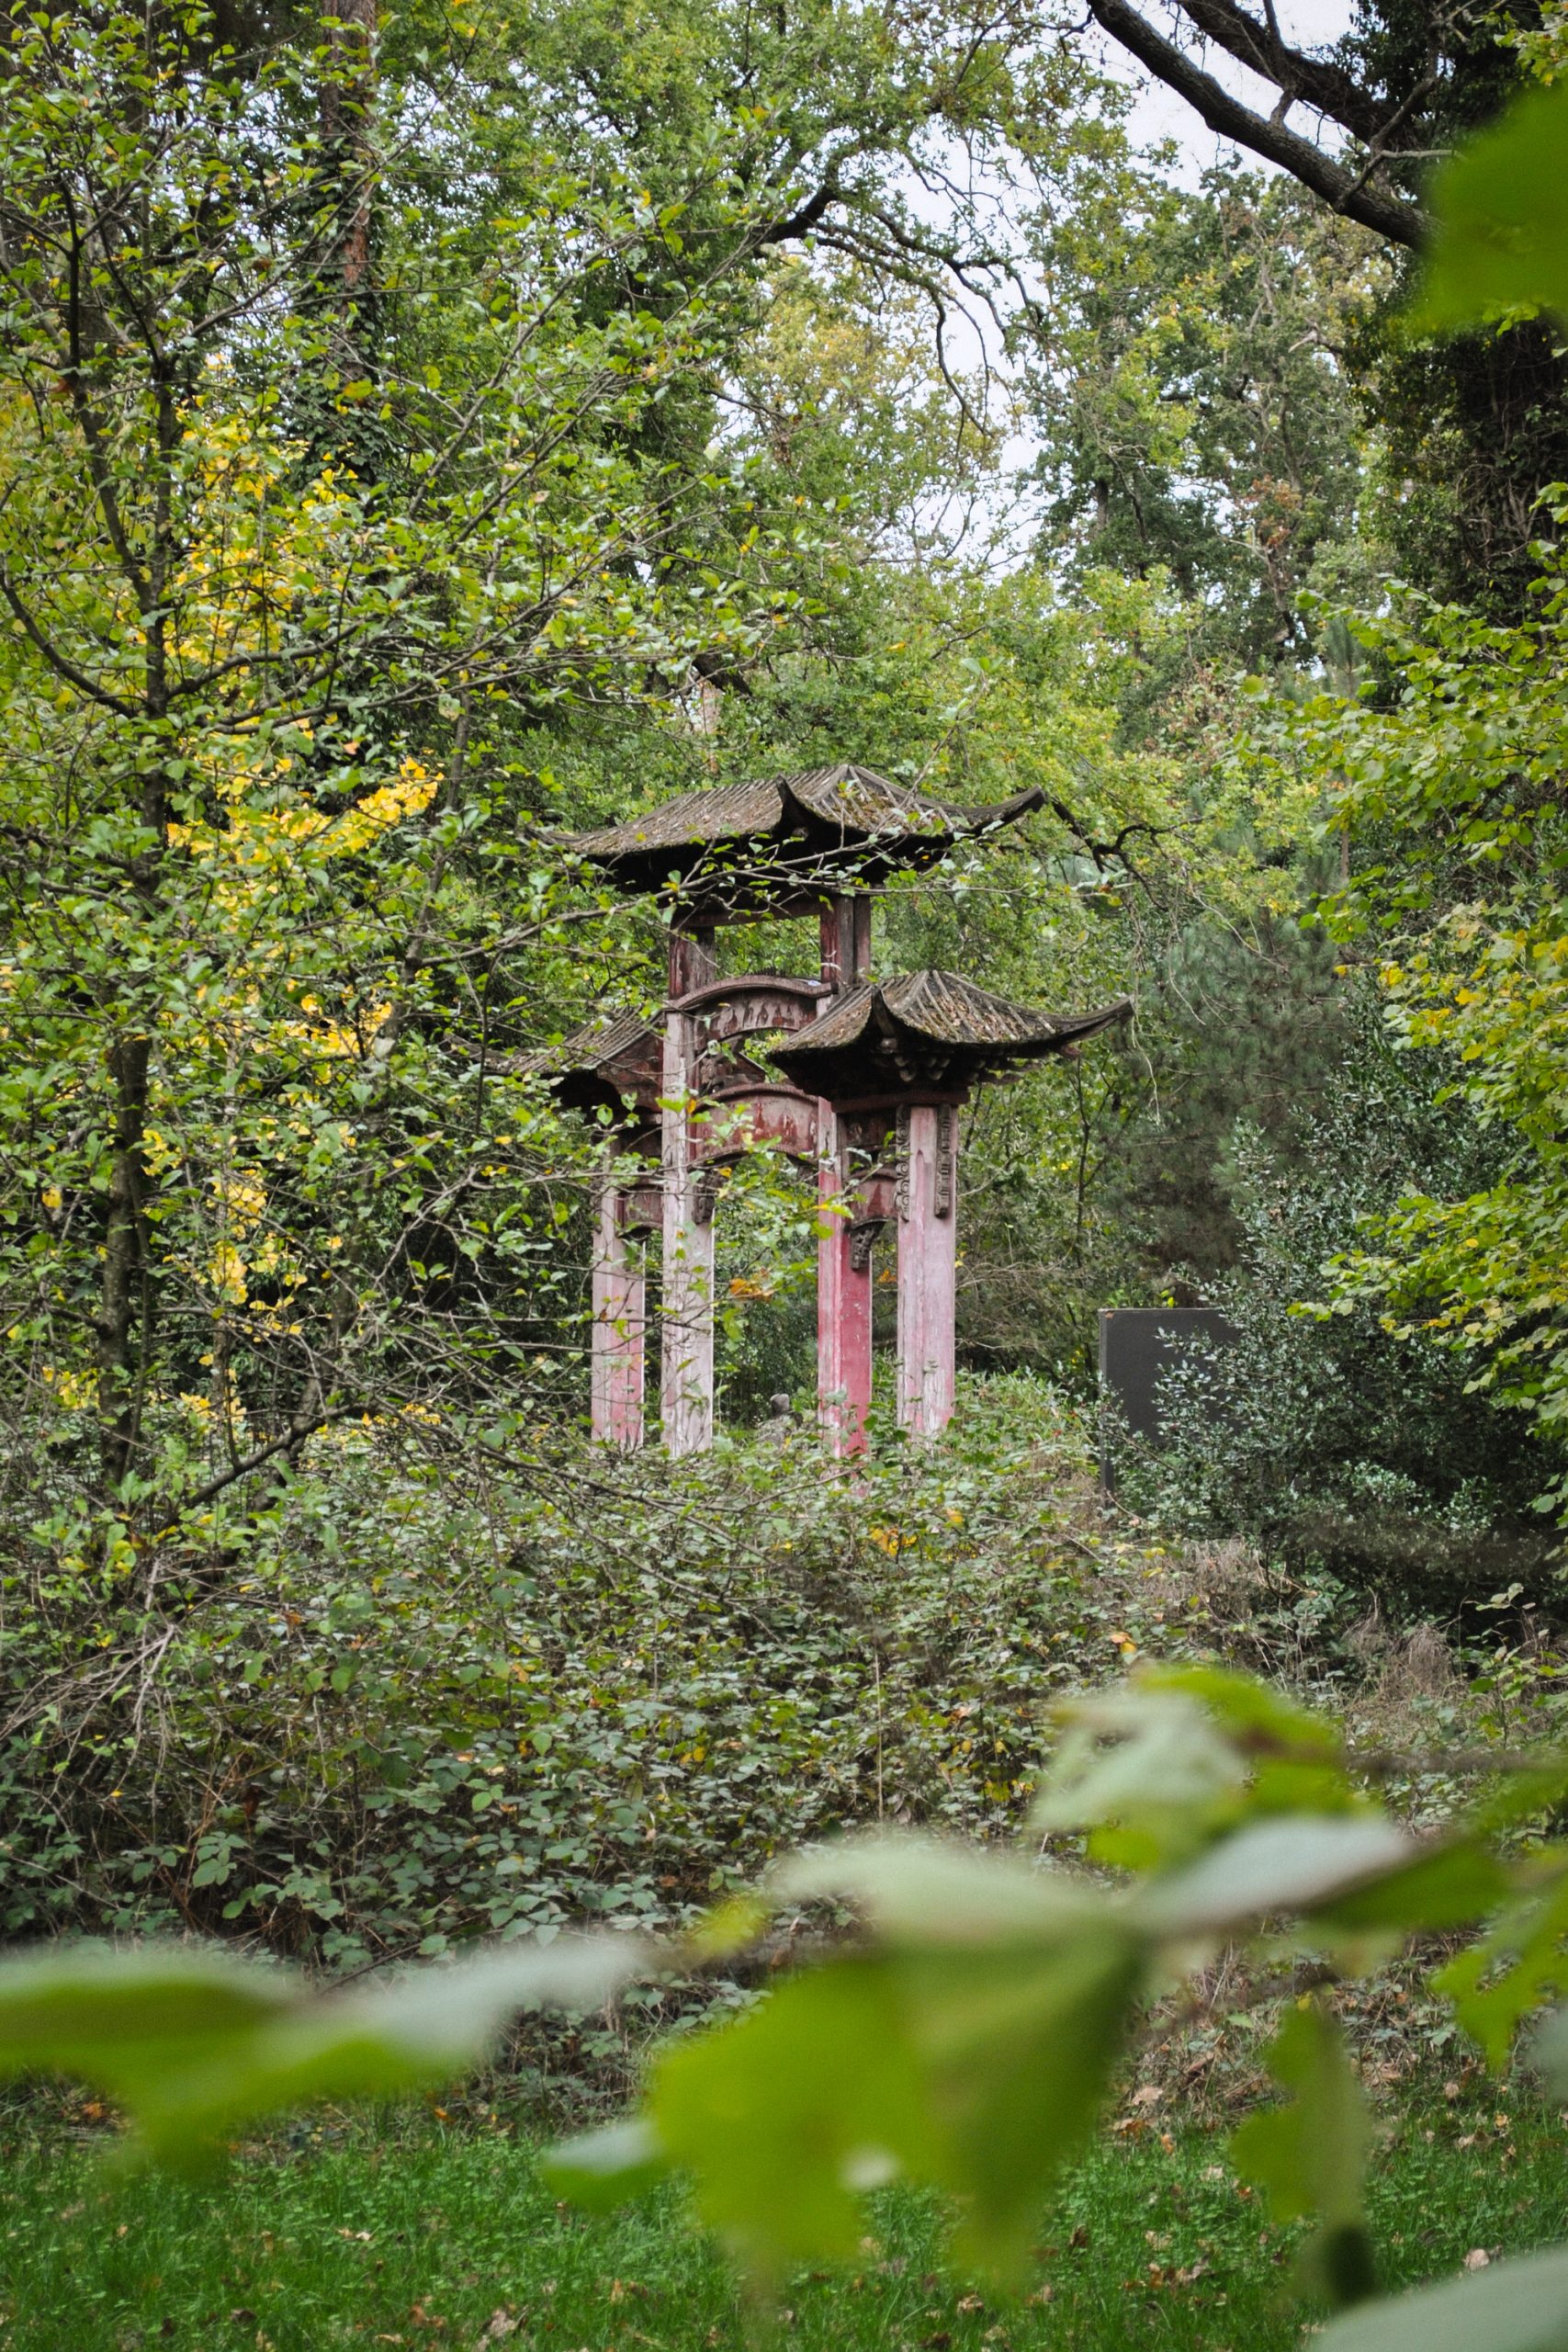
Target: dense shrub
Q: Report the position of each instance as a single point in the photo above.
(1324, 1438)
(413, 1710)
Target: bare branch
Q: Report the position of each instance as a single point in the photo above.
(1315, 81)
(1341, 189)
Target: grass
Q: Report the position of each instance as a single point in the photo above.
(423, 2236)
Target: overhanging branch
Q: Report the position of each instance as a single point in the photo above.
(1344, 191)
(1314, 81)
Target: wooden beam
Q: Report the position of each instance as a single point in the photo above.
(686, 1384)
(846, 940)
(620, 1328)
(928, 1263)
(843, 1302)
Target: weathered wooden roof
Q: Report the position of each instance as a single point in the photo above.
(738, 848)
(926, 1031)
(615, 1066)
(619, 1066)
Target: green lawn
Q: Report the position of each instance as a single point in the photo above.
(438, 2237)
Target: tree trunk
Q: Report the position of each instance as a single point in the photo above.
(120, 1401)
(348, 97)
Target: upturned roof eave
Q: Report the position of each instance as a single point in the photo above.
(763, 814)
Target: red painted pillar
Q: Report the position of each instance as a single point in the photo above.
(928, 1264)
(620, 1329)
(844, 1302)
(843, 1288)
(686, 1387)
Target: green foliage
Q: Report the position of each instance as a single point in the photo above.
(1498, 220)
(965, 2037)
(1311, 2155)
(1234, 1808)
(1196, 419)
(413, 1710)
(1341, 1449)
(194, 2046)
(1499, 1982)
(893, 2067)
(1451, 786)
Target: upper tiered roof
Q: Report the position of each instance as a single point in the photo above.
(890, 1040)
(780, 845)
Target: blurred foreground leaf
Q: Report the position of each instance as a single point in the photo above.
(976, 2071)
(194, 2045)
(1513, 2307)
(1309, 2155)
(1500, 219)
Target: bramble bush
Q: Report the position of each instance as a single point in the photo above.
(404, 1708)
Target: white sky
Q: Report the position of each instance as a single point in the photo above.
(1160, 114)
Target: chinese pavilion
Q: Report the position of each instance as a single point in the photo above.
(873, 1072)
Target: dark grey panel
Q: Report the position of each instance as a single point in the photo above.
(1135, 1345)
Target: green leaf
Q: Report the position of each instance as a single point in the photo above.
(192, 2045)
(928, 1891)
(1242, 1705)
(1156, 1769)
(1149, 1759)
(1446, 1887)
(1513, 2307)
(1500, 219)
(1289, 1862)
(1309, 2155)
(122, 2018)
(1496, 1983)
(978, 2071)
(783, 2115)
(602, 2169)
(1017, 2049)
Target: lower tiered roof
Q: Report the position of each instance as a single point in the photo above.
(926, 1032)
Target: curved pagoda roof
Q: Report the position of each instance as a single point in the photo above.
(780, 844)
(618, 1066)
(925, 1033)
(605, 1066)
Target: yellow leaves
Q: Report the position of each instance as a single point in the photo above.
(409, 795)
(227, 1272)
(891, 1540)
(158, 1152)
(263, 841)
(244, 1198)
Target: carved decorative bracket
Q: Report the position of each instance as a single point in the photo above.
(947, 1154)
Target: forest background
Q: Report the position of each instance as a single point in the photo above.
(422, 438)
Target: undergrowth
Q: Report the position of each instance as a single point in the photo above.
(401, 1710)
